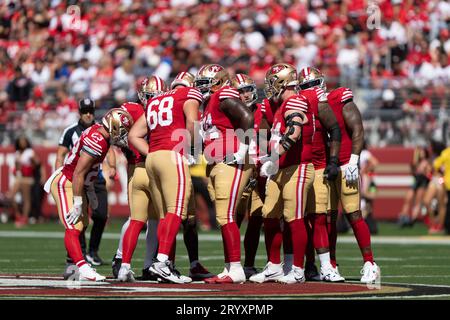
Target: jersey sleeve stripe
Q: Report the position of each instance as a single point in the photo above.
(296, 108)
(93, 145)
(297, 103)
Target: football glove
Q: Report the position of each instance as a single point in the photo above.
(352, 170)
(239, 156)
(76, 211)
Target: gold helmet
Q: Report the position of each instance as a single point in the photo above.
(184, 79)
(210, 78)
(278, 77)
(151, 87)
(118, 123)
(310, 77)
(243, 83)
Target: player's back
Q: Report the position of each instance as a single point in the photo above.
(165, 115)
(337, 99)
(94, 144)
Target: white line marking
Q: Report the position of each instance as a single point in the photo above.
(413, 240)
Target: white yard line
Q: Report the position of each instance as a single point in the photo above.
(420, 240)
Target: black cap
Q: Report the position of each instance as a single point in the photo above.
(86, 105)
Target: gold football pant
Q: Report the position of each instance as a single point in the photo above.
(62, 192)
(171, 182)
(287, 191)
(349, 196)
(225, 185)
(319, 194)
(141, 207)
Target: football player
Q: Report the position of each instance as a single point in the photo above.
(141, 208)
(289, 166)
(228, 171)
(325, 169)
(346, 188)
(253, 195)
(67, 184)
(190, 236)
(169, 121)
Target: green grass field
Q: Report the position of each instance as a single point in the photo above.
(40, 249)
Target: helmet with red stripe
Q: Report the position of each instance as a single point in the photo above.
(151, 87)
(244, 84)
(278, 78)
(118, 123)
(185, 79)
(311, 77)
(210, 78)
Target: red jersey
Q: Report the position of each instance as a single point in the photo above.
(217, 129)
(165, 115)
(136, 111)
(301, 151)
(319, 147)
(337, 99)
(94, 144)
(268, 110)
(253, 149)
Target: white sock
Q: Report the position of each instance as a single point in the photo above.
(194, 264)
(235, 265)
(324, 259)
(162, 257)
(151, 242)
(122, 234)
(125, 265)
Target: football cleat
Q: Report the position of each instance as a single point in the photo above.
(89, 274)
(126, 274)
(223, 274)
(311, 273)
(178, 273)
(164, 271)
(235, 275)
(250, 271)
(199, 273)
(271, 272)
(147, 275)
(297, 275)
(370, 272)
(116, 264)
(330, 274)
(71, 270)
(94, 259)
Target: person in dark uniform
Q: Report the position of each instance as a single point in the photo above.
(99, 216)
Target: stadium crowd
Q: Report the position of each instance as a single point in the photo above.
(54, 52)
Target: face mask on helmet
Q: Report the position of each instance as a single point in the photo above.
(204, 85)
(118, 123)
(311, 84)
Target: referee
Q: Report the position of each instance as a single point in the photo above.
(69, 138)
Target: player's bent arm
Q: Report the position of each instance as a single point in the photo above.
(137, 134)
(84, 164)
(328, 120)
(238, 113)
(61, 153)
(294, 122)
(190, 110)
(353, 121)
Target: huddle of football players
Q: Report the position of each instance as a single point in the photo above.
(287, 162)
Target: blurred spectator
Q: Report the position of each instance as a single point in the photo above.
(27, 161)
(421, 170)
(368, 163)
(19, 89)
(80, 79)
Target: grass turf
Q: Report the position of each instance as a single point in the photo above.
(400, 263)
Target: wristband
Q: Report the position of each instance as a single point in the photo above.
(354, 159)
(77, 200)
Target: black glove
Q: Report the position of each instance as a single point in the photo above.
(332, 170)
